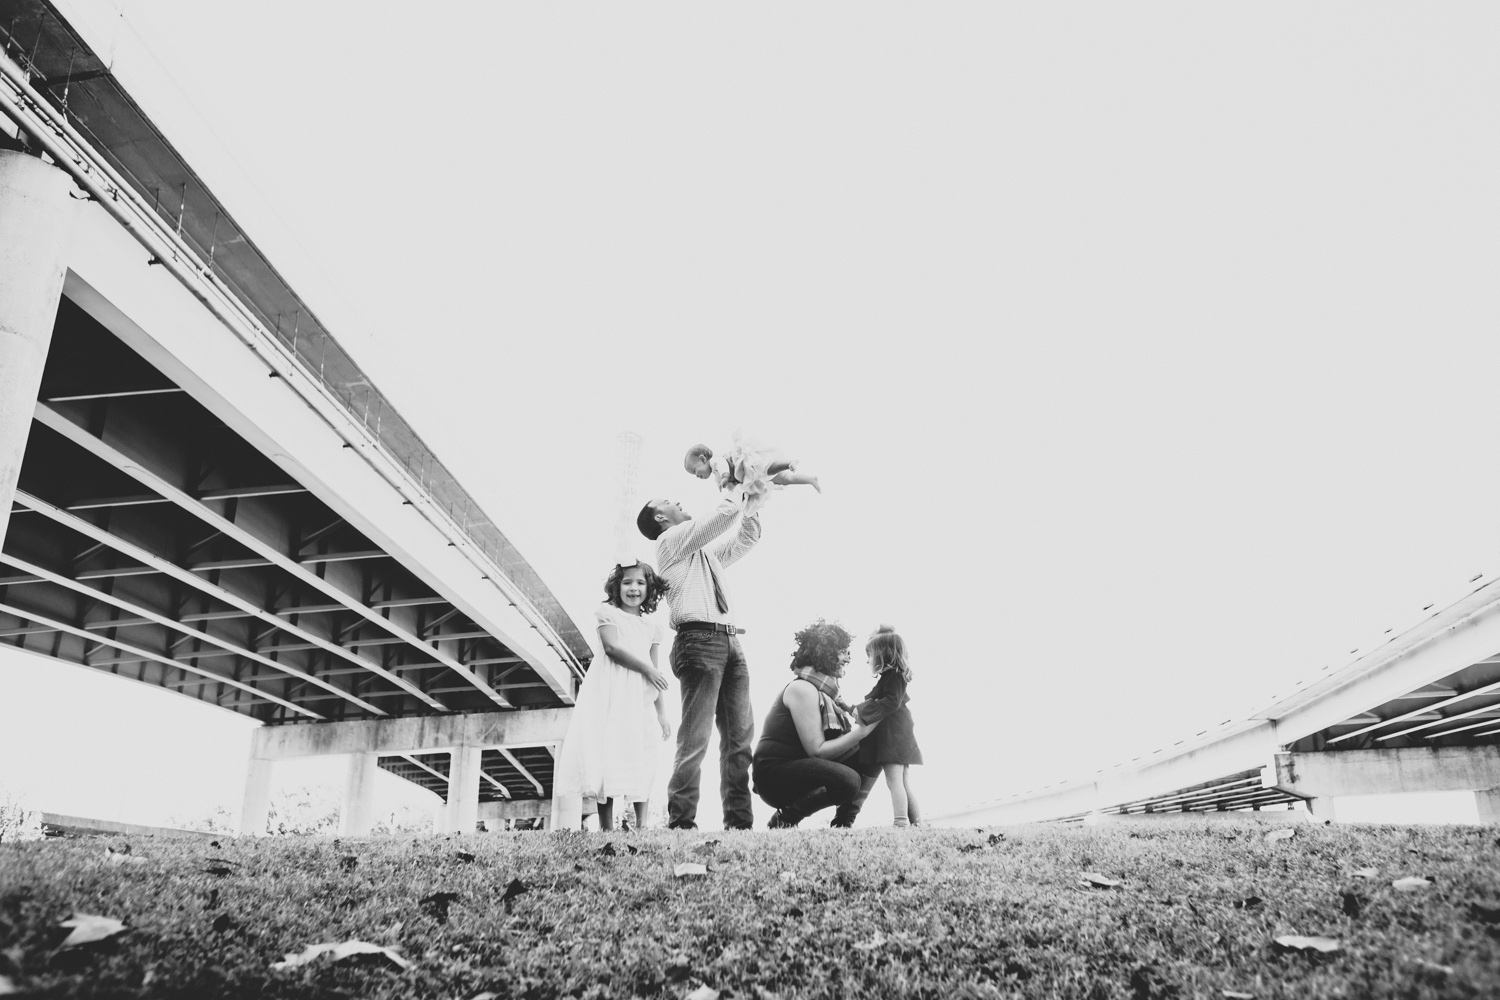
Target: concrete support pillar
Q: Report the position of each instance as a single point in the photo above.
(257, 804)
(357, 816)
(462, 812)
(565, 812)
(1324, 808)
(1488, 802)
(36, 228)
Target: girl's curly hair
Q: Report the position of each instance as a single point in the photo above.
(889, 652)
(656, 587)
(821, 646)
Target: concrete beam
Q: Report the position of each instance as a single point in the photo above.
(413, 734)
(1332, 773)
(36, 224)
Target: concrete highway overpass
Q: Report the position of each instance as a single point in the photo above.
(1418, 712)
(201, 491)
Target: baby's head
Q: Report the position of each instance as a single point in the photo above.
(696, 460)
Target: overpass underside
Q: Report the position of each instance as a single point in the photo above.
(1420, 712)
(201, 491)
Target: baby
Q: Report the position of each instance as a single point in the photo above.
(747, 467)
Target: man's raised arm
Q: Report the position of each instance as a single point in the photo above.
(745, 539)
(676, 546)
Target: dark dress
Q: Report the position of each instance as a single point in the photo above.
(894, 741)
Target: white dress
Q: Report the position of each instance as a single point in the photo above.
(743, 466)
(614, 737)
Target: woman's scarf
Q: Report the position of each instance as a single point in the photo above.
(835, 716)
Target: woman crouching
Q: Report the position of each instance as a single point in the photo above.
(808, 755)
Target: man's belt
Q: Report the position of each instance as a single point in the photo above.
(708, 627)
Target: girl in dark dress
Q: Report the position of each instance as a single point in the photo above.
(893, 744)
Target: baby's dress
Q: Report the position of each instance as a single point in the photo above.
(614, 737)
(894, 741)
(744, 467)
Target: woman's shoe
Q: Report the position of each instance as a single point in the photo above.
(790, 816)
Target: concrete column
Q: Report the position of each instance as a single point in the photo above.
(1488, 802)
(257, 804)
(357, 816)
(36, 228)
(565, 812)
(1324, 808)
(462, 812)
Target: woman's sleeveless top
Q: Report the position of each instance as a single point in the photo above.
(778, 738)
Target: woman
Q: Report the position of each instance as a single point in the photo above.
(808, 755)
(620, 717)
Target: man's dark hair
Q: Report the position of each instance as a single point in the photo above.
(820, 646)
(646, 521)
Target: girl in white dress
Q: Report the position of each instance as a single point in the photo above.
(620, 716)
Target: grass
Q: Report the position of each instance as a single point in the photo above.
(865, 913)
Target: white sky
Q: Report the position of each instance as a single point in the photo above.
(1146, 355)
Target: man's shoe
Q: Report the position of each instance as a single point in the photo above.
(682, 824)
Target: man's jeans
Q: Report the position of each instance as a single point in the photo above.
(715, 685)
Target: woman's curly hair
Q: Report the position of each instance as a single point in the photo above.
(821, 646)
(656, 587)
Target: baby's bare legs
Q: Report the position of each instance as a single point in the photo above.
(895, 783)
(791, 478)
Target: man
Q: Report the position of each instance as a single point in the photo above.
(706, 655)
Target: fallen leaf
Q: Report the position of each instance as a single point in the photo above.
(222, 923)
(340, 952)
(88, 928)
(966, 848)
(213, 843)
(608, 851)
(1442, 970)
(689, 870)
(1236, 995)
(1411, 883)
(1367, 873)
(703, 993)
(679, 967)
(1097, 881)
(707, 847)
(213, 899)
(1353, 904)
(465, 857)
(218, 870)
(121, 855)
(436, 905)
(513, 890)
(1249, 902)
(632, 849)
(348, 862)
(995, 838)
(794, 912)
(1285, 833)
(1300, 943)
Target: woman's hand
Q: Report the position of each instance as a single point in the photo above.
(666, 727)
(657, 679)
